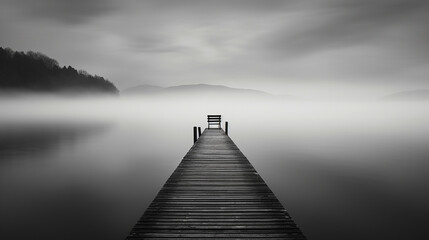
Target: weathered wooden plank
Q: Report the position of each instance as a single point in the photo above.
(215, 193)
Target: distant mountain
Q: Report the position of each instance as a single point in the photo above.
(199, 90)
(143, 89)
(412, 95)
(33, 72)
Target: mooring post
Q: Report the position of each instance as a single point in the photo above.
(226, 128)
(199, 131)
(195, 134)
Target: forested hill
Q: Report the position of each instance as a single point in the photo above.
(36, 72)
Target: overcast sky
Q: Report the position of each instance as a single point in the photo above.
(311, 48)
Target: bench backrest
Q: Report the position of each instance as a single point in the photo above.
(214, 120)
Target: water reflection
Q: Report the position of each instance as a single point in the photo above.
(27, 139)
(342, 170)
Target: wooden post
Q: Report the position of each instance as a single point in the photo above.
(195, 134)
(226, 128)
(199, 131)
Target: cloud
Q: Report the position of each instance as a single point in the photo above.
(153, 44)
(336, 24)
(63, 11)
(218, 7)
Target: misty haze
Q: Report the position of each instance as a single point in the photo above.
(107, 109)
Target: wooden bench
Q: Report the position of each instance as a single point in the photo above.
(214, 120)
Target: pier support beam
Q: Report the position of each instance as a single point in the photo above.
(195, 135)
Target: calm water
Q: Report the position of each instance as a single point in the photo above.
(87, 169)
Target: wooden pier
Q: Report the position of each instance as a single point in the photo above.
(215, 193)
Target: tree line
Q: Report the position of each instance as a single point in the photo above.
(36, 72)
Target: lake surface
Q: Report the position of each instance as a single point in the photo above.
(87, 169)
